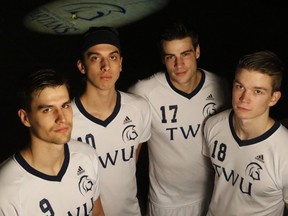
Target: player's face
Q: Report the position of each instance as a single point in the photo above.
(50, 119)
(180, 59)
(102, 65)
(252, 95)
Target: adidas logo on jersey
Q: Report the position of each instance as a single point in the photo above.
(210, 97)
(127, 120)
(260, 158)
(80, 170)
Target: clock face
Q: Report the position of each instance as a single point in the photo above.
(66, 17)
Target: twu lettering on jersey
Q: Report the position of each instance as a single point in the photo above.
(124, 154)
(169, 116)
(252, 170)
(83, 210)
(185, 132)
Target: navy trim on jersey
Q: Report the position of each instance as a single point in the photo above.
(254, 140)
(31, 170)
(93, 118)
(194, 92)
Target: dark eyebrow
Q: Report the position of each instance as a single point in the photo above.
(236, 81)
(255, 87)
(97, 53)
(42, 106)
(261, 88)
(190, 50)
(168, 54)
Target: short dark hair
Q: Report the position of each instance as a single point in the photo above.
(178, 29)
(36, 82)
(266, 62)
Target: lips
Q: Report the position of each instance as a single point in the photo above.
(242, 108)
(106, 77)
(62, 130)
(180, 73)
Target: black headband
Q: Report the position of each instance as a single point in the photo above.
(100, 35)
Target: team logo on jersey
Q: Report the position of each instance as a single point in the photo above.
(209, 109)
(85, 184)
(129, 133)
(253, 170)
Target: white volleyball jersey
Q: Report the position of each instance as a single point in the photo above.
(179, 173)
(251, 176)
(25, 191)
(116, 140)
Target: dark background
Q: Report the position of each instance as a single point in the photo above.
(228, 29)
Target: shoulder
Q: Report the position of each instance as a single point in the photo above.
(219, 87)
(132, 99)
(213, 77)
(283, 130)
(217, 118)
(216, 124)
(8, 167)
(11, 178)
(80, 148)
(284, 122)
(144, 86)
(136, 106)
(209, 74)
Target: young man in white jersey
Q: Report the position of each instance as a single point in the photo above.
(52, 175)
(113, 122)
(181, 98)
(247, 147)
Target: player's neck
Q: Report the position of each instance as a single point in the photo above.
(48, 163)
(101, 104)
(190, 85)
(250, 128)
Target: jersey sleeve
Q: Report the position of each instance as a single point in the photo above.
(205, 148)
(136, 88)
(8, 192)
(147, 116)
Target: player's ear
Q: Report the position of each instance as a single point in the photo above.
(81, 66)
(121, 60)
(197, 51)
(275, 97)
(24, 117)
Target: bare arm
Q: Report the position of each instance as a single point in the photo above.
(97, 208)
(138, 151)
